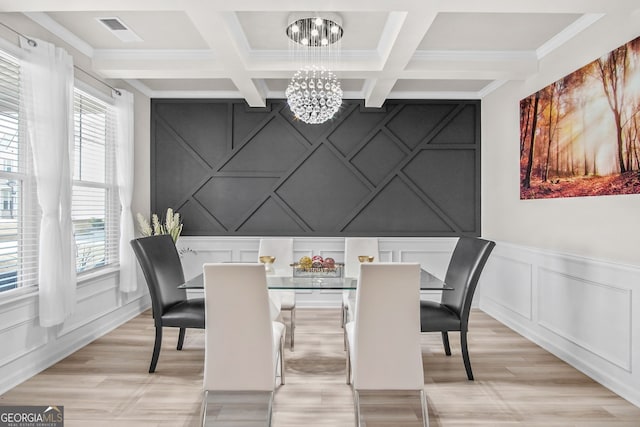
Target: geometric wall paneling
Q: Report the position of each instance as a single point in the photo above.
(323, 190)
(378, 157)
(394, 210)
(356, 126)
(461, 130)
(172, 150)
(429, 169)
(200, 221)
(410, 168)
(271, 218)
(415, 122)
(222, 199)
(272, 148)
(197, 123)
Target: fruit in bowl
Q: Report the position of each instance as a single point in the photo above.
(305, 262)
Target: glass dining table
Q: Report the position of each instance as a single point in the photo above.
(258, 404)
(428, 282)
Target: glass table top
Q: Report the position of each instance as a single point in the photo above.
(428, 282)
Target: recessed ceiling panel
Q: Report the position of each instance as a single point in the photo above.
(158, 30)
(266, 30)
(494, 31)
(190, 84)
(411, 85)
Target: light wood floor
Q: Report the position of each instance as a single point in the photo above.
(517, 383)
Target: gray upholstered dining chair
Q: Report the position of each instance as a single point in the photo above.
(162, 270)
(452, 312)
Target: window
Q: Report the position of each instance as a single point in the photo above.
(19, 219)
(95, 204)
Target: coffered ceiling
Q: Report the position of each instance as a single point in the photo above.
(430, 49)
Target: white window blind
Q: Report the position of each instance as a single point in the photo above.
(19, 212)
(95, 206)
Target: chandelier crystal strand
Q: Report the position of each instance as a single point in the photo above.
(314, 93)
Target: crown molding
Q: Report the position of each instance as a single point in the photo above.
(578, 26)
(67, 36)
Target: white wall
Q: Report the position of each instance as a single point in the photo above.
(606, 227)
(565, 272)
(26, 347)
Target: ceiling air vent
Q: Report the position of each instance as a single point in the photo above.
(119, 29)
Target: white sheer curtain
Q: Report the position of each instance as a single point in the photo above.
(124, 167)
(47, 105)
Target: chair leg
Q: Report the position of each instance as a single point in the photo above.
(156, 350)
(181, 338)
(356, 402)
(292, 327)
(282, 360)
(270, 411)
(203, 408)
(465, 355)
(342, 312)
(348, 368)
(344, 340)
(445, 342)
(425, 408)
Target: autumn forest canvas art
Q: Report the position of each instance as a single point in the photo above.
(580, 136)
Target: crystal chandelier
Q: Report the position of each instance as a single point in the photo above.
(314, 94)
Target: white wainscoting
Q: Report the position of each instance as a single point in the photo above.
(432, 253)
(582, 310)
(28, 348)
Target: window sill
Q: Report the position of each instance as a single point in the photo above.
(84, 278)
(14, 296)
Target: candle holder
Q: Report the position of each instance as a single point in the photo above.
(268, 261)
(365, 258)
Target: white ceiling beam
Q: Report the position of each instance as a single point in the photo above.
(404, 34)
(472, 64)
(442, 65)
(219, 31)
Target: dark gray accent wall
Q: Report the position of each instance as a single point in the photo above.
(410, 168)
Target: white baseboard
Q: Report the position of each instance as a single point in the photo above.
(31, 361)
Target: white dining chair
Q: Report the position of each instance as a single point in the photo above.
(242, 344)
(383, 340)
(353, 248)
(282, 250)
